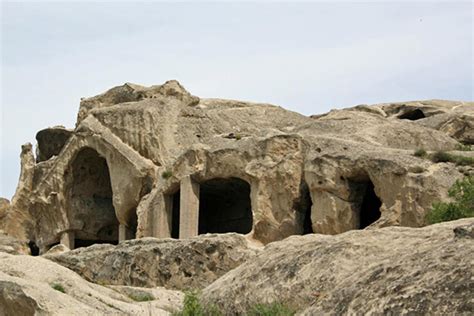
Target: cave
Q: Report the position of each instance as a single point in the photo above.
(304, 210)
(224, 206)
(175, 215)
(412, 115)
(34, 249)
(92, 214)
(370, 207)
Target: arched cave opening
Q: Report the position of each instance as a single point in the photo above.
(175, 215)
(370, 207)
(92, 214)
(224, 206)
(412, 115)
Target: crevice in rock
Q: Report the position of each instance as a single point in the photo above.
(225, 206)
(304, 210)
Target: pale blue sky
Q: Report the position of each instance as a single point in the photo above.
(307, 57)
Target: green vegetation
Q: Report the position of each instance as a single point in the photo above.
(462, 193)
(141, 297)
(442, 156)
(274, 309)
(193, 307)
(464, 147)
(166, 174)
(420, 153)
(58, 287)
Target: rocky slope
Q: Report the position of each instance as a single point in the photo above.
(36, 286)
(392, 270)
(149, 262)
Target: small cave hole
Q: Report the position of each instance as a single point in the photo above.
(412, 115)
(225, 206)
(305, 210)
(34, 250)
(370, 208)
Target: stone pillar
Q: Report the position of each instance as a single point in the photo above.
(67, 239)
(125, 233)
(189, 208)
(165, 217)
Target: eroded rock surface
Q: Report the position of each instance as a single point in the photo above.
(36, 286)
(149, 262)
(392, 270)
(118, 174)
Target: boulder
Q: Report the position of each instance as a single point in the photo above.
(36, 286)
(393, 270)
(149, 262)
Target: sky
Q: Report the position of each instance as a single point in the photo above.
(308, 57)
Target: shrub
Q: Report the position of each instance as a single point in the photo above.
(420, 153)
(462, 193)
(273, 309)
(141, 297)
(192, 306)
(441, 156)
(58, 287)
(166, 174)
(463, 147)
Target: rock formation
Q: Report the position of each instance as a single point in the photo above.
(156, 191)
(175, 264)
(393, 270)
(159, 162)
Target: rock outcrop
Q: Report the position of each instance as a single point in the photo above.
(150, 262)
(36, 286)
(393, 270)
(159, 162)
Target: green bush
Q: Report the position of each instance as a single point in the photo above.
(462, 193)
(442, 156)
(420, 153)
(58, 287)
(273, 309)
(463, 147)
(192, 306)
(166, 174)
(141, 297)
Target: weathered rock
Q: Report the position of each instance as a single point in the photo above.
(393, 270)
(139, 155)
(13, 246)
(26, 288)
(150, 262)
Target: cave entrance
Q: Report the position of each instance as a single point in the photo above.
(304, 210)
(369, 210)
(175, 214)
(412, 115)
(224, 206)
(92, 214)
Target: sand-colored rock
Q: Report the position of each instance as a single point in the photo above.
(276, 173)
(393, 270)
(26, 288)
(150, 262)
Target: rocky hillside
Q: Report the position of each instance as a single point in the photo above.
(393, 270)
